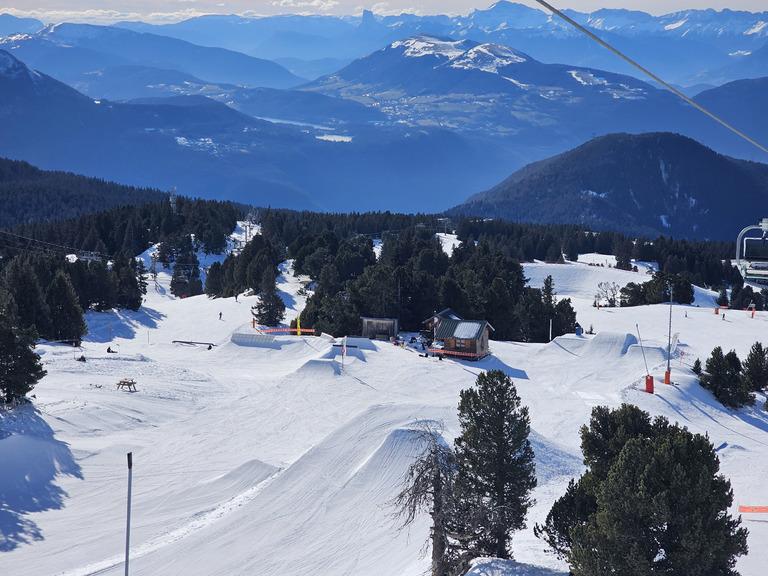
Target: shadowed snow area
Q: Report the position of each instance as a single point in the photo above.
(285, 458)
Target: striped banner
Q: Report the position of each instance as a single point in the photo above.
(307, 331)
(760, 509)
(453, 353)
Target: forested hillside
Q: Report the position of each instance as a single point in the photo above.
(638, 184)
(410, 279)
(51, 272)
(28, 194)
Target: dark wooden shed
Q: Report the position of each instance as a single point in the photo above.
(379, 328)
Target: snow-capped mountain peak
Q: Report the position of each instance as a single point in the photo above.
(488, 58)
(430, 45)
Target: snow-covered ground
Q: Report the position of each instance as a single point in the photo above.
(282, 459)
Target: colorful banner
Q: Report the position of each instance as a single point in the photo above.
(760, 509)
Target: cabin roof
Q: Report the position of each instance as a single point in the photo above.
(464, 329)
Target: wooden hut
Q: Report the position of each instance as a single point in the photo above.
(464, 338)
(379, 328)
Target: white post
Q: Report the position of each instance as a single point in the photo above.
(128, 525)
(550, 329)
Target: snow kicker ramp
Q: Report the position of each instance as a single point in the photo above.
(609, 344)
(326, 513)
(252, 339)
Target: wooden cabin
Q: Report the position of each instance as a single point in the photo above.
(469, 338)
(379, 328)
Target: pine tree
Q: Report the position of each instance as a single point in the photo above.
(125, 276)
(722, 377)
(722, 297)
(601, 443)
(20, 366)
(270, 310)
(22, 283)
(102, 289)
(214, 280)
(661, 510)
(696, 369)
(141, 275)
(650, 502)
(67, 323)
(754, 372)
(495, 460)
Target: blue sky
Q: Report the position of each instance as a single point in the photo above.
(106, 11)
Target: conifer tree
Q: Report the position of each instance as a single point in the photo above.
(22, 283)
(270, 309)
(67, 323)
(661, 510)
(722, 377)
(722, 297)
(650, 502)
(214, 280)
(20, 366)
(754, 372)
(125, 275)
(495, 460)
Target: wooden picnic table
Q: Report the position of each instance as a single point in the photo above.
(128, 383)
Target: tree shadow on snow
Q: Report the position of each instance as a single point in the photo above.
(288, 299)
(106, 326)
(31, 459)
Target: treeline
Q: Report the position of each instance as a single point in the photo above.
(706, 263)
(52, 272)
(49, 293)
(29, 194)
(414, 277)
(282, 227)
(131, 229)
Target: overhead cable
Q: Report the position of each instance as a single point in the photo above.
(648, 73)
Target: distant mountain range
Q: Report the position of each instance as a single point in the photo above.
(644, 184)
(68, 51)
(709, 47)
(418, 123)
(705, 43)
(206, 149)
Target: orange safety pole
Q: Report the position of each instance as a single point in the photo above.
(649, 384)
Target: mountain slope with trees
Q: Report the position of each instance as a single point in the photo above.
(643, 184)
(29, 194)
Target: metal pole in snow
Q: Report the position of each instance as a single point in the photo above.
(642, 350)
(128, 525)
(669, 339)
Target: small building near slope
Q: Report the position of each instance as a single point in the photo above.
(464, 338)
(379, 328)
(431, 323)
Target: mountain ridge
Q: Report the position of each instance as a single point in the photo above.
(645, 184)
